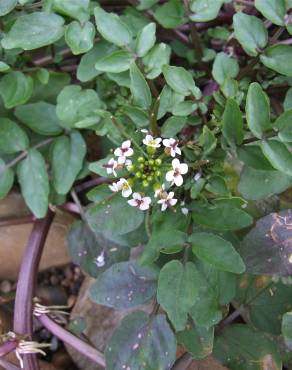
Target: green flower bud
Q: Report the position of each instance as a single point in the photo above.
(156, 186)
(151, 150)
(138, 175)
(141, 160)
(131, 168)
(150, 178)
(157, 173)
(151, 162)
(158, 161)
(145, 184)
(141, 166)
(144, 176)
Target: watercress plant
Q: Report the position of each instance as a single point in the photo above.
(190, 106)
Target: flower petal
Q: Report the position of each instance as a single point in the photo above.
(175, 163)
(133, 203)
(169, 175)
(183, 168)
(126, 144)
(178, 180)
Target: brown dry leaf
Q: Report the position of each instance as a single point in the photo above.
(14, 238)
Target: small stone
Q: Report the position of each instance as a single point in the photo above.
(5, 286)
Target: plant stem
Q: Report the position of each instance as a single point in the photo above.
(7, 347)
(78, 203)
(67, 337)
(17, 220)
(23, 323)
(24, 154)
(153, 117)
(92, 183)
(183, 362)
(147, 224)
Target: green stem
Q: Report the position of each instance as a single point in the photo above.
(153, 118)
(147, 224)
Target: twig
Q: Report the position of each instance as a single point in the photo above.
(92, 183)
(183, 362)
(23, 324)
(21, 220)
(7, 347)
(67, 337)
(24, 154)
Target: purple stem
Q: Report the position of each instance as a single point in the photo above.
(91, 183)
(67, 337)
(70, 207)
(23, 320)
(21, 220)
(7, 365)
(7, 347)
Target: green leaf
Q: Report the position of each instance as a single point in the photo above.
(274, 10)
(12, 138)
(171, 14)
(80, 37)
(288, 100)
(278, 155)
(85, 247)
(221, 217)
(257, 110)
(250, 32)
(116, 62)
(180, 80)
(125, 285)
(40, 117)
(43, 75)
(224, 67)
(217, 185)
(259, 184)
(4, 67)
(122, 79)
(78, 9)
(139, 88)
(177, 290)
(140, 340)
(114, 217)
(33, 31)
(266, 249)
(218, 252)
(6, 6)
(146, 39)
(34, 182)
(205, 10)
(197, 340)
(15, 89)
(86, 70)
(253, 157)
(72, 151)
(243, 348)
(6, 179)
(232, 126)
(172, 126)
(162, 240)
(111, 27)
(287, 329)
(157, 57)
(137, 115)
(75, 104)
(279, 59)
(283, 124)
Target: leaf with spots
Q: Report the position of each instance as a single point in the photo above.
(267, 248)
(114, 217)
(141, 343)
(243, 348)
(265, 302)
(85, 247)
(125, 285)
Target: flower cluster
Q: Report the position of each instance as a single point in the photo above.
(149, 173)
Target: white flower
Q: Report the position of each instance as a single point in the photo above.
(172, 144)
(167, 201)
(99, 260)
(121, 185)
(150, 141)
(142, 203)
(111, 167)
(197, 176)
(124, 151)
(175, 175)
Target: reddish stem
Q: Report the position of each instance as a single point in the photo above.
(23, 321)
(67, 337)
(7, 347)
(17, 220)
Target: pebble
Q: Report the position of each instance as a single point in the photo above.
(5, 286)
